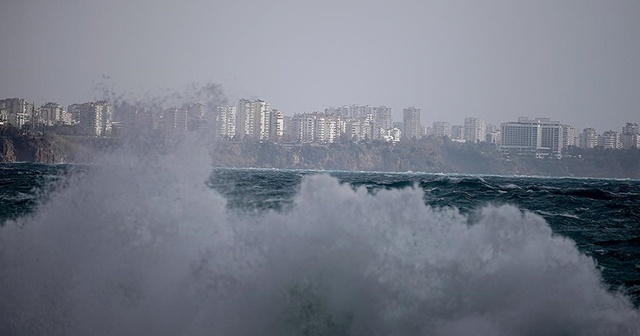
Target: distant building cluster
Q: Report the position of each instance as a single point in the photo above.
(255, 120)
(250, 120)
(20, 113)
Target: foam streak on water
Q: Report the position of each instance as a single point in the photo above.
(143, 247)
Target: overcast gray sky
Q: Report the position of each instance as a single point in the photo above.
(577, 61)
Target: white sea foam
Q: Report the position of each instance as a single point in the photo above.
(141, 246)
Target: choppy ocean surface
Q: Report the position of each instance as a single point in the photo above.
(159, 250)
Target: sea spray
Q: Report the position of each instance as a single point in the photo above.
(139, 244)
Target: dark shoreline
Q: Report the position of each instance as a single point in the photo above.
(428, 155)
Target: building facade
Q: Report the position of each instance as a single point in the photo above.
(539, 137)
(93, 118)
(631, 136)
(611, 140)
(226, 121)
(589, 138)
(474, 130)
(441, 129)
(412, 125)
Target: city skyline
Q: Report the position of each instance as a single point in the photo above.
(396, 116)
(257, 121)
(496, 60)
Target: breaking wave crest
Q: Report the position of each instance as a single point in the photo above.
(139, 245)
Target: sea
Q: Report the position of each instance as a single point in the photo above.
(172, 245)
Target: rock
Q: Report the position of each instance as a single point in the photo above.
(7, 151)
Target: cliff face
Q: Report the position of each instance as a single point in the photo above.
(29, 149)
(7, 151)
(432, 156)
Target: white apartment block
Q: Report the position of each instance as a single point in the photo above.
(316, 127)
(589, 138)
(412, 125)
(93, 118)
(276, 130)
(226, 121)
(17, 111)
(263, 112)
(457, 132)
(441, 129)
(631, 136)
(304, 127)
(175, 119)
(19, 119)
(252, 119)
(631, 128)
(140, 119)
(383, 118)
(196, 117)
(539, 137)
(569, 136)
(365, 121)
(244, 116)
(288, 133)
(611, 140)
(51, 114)
(474, 130)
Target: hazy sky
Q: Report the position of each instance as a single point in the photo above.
(577, 61)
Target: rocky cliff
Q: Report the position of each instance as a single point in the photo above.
(433, 155)
(427, 155)
(29, 149)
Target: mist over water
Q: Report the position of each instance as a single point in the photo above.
(140, 245)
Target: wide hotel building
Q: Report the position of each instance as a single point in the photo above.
(538, 137)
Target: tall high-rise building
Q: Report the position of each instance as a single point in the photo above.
(365, 121)
(139, 119)
(288, 133)
(243, 112)
(383, 121)
(18, 111)
(631, 136)
(457, 132)
(276, 125)
(474, 129)
(175, 119)
(611, 140)
(304, 127)
(226, 121)
(263, 115)
(93, 118)
(441, 129)
(631, 128)
(589, 138)
(411, 119)
(51, 114)
(18, 106)
(252, 119)
(569, 136)
(316, 127)
(197, 117)
(539, 137)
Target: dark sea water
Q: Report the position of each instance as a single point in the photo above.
(129, 250)
(601, 215)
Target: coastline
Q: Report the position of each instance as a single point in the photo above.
(427, 155)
